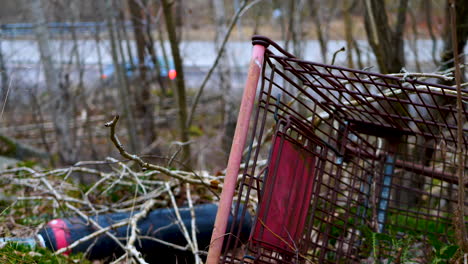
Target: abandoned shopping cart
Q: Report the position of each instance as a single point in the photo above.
(333, 155)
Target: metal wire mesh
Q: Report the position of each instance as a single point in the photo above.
(337, 153)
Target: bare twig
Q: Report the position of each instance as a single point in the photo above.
(130, 247)
(182, 226)
(425, 75)
(336, 53)
(193, 224)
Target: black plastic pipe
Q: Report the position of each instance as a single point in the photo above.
(160, 223)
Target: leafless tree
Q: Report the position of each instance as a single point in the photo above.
(123, 87)
(143, 103)
(386, 41)
(61, 112)
(4, 76)
(224, 72)
(348, 27)
(180, 81)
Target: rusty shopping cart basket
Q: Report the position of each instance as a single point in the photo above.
(337, 157)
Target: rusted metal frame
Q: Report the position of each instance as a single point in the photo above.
(341, 182)
(316, 102)
(409, 89)
(324, 198)
(409, 102)
(407, 118)
(439, 108)
(410, 131)
(320, 164)
(430, 181)
(357, 164)
(426, 106)
(284, 116)
(339, 87)
(354, 178)
(289, 108)
(240, 136)
(392, 99)
(439, 204)
(295, 112)
(265, 107)
(369, 104)
(323, 106)
(406, 214)
(420, 169)
(332, 208)
(318, 84)
(291, 95)
(391, 86)
(298, 126)
(464, 138)
(379, 75)
(303, 91)
(316, 193)
(365, 189)
(269, 256)
(382, 107)
(273, 44)
(442, 196)
(424, 170)
(365, 102)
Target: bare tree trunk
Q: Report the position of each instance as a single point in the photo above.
(144, 106)
(123, 90)
(75, 17)
(154, 58)
(79, 93)
(321, 35)
(290, 34)
(179, 14)
(427, 5)
(61, 113)
(358, 54)
(462, 36)
(413, 42)
(348, 25)
(227, 103)
(296, 27)
(4, 76)
(123, 27)
(386, 42)
(180, 89)
(97, 38)
(165, 58)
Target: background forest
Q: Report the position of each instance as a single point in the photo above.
(174, 71)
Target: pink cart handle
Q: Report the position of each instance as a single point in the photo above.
(235, 157)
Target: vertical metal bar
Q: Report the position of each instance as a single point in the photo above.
(235, 157)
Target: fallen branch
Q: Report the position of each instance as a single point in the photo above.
(182, 226)
(149, 166)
